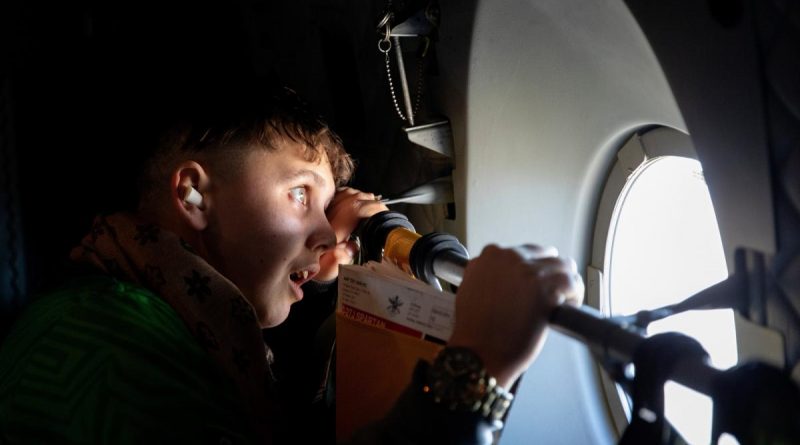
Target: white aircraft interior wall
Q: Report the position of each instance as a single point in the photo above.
(550, 90)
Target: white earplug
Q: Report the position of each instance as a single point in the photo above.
(193, 197)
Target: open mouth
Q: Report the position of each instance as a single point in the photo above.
(299, 276)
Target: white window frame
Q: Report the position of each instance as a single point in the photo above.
(644, 145)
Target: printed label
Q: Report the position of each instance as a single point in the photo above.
(389, 302)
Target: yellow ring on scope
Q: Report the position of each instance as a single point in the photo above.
(397, 247)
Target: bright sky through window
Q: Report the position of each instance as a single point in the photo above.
(665, 247)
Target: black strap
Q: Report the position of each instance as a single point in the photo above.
(757, 404)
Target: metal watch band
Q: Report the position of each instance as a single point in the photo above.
(458, 381)
(497, 401)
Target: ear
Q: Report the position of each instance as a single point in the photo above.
(189, 185)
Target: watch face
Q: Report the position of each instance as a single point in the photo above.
(458, 379)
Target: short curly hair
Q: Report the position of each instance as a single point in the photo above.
(226, 127)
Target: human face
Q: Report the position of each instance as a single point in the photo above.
(269, 229)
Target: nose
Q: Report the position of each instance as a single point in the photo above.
(322, 236)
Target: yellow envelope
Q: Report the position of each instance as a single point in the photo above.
(384, 325)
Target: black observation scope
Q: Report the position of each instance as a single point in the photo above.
(616, 344)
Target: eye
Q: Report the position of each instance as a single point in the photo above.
(299, 195)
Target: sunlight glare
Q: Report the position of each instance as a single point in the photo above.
(665, 247)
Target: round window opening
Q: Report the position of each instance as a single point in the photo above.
(664, 246)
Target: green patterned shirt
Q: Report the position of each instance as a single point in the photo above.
(105, 361)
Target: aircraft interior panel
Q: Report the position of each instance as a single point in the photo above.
(535, 141)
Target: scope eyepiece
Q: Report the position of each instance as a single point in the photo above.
(376, 228)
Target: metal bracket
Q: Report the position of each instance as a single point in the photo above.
(418, 25)
(435, 136)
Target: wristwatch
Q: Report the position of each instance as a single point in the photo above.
(458, 380)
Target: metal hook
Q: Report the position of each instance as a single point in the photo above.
(425, 46)
(385, 44)
(385, 20)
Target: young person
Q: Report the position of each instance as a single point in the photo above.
(159, 338)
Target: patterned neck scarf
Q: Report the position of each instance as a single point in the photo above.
(220, 318)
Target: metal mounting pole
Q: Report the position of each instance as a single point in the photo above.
(608, 340)
(438, 255)
(401, 69)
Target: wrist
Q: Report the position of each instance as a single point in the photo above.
(503, 371)
(458, 381)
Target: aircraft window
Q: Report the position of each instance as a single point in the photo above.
(661, 246)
